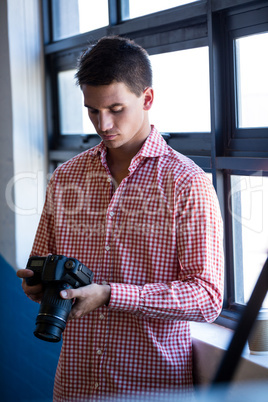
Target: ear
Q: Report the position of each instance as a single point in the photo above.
(148, 98)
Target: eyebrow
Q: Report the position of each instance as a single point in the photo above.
(107, 107)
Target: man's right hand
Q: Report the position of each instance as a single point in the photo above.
(35, 292)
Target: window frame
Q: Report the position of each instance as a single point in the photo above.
(223, 151)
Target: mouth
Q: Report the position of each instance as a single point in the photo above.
(108, 137)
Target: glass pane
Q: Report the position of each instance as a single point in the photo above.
(138, 8)
(249, 200)
(73, 115)
(181, 85)
(252, 80)
(209, 175)
(71, 17)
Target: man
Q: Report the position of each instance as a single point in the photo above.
(145, 219)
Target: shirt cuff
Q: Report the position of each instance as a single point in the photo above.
(124, 297)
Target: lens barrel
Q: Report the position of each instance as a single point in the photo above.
(53, 314)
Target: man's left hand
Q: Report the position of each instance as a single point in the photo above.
(87, 298)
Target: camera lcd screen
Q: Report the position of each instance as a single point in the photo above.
(37, 263)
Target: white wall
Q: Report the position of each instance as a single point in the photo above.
(22, 128)
(7, 218)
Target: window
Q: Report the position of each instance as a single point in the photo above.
(248, 207)
(72, 113)
(181, 84)
(252, 80)
(72, 17)
(211, 102)
(138, 8)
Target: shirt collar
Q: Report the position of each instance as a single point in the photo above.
(154, 146)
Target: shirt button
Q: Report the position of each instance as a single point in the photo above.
(101, 316)
(112, 214)
(99, 352)
(104, 283)
(107, 248)
(96, 385)
(109, 179)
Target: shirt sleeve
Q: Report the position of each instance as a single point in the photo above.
(44, 242)
(197, 293)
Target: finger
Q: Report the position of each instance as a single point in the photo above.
(34, 293)
(25, 273)
(70, 293)
(36, 298)
(77, 310)
(31, 289)
(75, 314)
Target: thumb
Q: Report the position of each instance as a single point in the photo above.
(69, 293)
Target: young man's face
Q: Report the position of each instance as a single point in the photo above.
(120, 117)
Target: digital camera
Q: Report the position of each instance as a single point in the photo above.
(56, 273)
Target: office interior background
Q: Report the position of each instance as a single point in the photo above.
(210, 64)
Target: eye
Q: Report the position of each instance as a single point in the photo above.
(117, 109)
(93, 111)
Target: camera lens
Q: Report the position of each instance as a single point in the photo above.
(53, 313)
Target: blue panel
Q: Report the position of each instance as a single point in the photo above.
(27, 364)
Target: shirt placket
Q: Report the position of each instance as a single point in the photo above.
(102, 314)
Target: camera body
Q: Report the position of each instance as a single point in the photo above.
(58, 268)
(56, 273)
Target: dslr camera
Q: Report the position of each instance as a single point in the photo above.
(56, 273)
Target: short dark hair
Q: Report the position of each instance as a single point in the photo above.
(114, 58)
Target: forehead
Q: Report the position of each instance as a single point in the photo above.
(105, 95)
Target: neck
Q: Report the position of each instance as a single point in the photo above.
(119, 159)
(124, 154)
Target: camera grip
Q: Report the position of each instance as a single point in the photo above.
(36, 279)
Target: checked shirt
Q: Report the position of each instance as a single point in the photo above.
(157, 240)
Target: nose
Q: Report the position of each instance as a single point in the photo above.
(105, 121)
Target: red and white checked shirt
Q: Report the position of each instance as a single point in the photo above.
(157, 240)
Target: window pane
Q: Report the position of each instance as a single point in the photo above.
(73, 115)
(71, 17)
(252, 80)
(181, 85)
(138, 8)
(249, 198)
